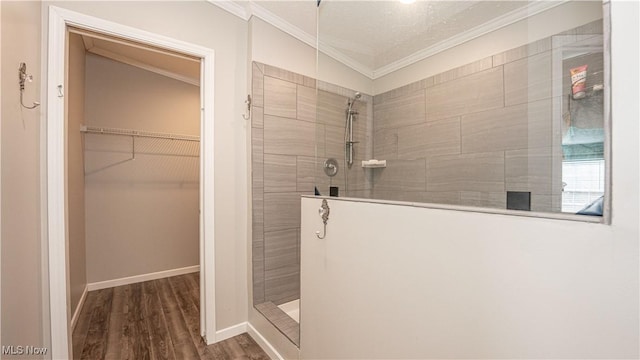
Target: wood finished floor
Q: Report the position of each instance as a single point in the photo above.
(156, 319)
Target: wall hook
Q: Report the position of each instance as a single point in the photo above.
(324, 213)
(24, 77)
(247, 115)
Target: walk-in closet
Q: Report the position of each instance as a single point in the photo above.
(133, 170)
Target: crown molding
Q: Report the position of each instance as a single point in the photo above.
(253, 9)
(258, 11)
(285, 26)
(346, 60)
(495, 24)
(232, 7)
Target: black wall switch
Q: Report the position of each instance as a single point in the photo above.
(334, 191)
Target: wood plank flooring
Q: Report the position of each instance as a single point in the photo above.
(156, 319)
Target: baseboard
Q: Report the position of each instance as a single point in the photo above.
(141, 278)
(231, 331)
(76, 313)
(263, 343)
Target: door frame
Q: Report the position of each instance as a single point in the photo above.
(59, 20)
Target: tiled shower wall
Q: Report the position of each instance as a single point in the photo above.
(285, 140)
(469, 135)
(466, 137)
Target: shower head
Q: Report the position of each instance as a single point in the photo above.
(356, 96)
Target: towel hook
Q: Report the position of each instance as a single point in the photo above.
(24, 77)
(324, 213)
(247, 115)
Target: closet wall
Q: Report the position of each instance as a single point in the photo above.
(142, 214)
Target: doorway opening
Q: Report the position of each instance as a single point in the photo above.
(105, 159)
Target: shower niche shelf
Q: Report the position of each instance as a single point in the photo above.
(374, 164)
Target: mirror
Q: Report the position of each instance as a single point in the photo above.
(465, 103)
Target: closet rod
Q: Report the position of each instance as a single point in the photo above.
(136, 133)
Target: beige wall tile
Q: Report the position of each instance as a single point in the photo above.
(496, 200)
(257, 208)
(257, 251)
(401, 175)
(441, 197)
(528, 79)
(522, 52)
(281, 286)
(336, 146)
(529, 170)
(385, 144)
(306, 103)
(473, 93)
(306, 172)
(402, 91)
(257, 85)
(257, 158)
(514, 127)
(259, 66)
(433, 138)
(279, 173)
(281, 211)
(283, 74)
(257, 117)
(482, 172)
(542, 203)
(400, 111)
(309, 82)
(331, 108)
(472, 68)
(281, 249)
(279, 97)
(288, 136)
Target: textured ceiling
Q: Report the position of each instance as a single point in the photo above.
(378, 33)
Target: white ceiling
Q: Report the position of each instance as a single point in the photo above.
(378, 33)
(377, 37)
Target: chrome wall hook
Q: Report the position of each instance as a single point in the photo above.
(24, 77)
(324, 213)
(247, 115)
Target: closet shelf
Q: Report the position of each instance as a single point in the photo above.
(136, 133)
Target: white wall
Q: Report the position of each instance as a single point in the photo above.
(21, 268)
(566, 16)
(394, 281)
(141, 215)
(75, 172)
